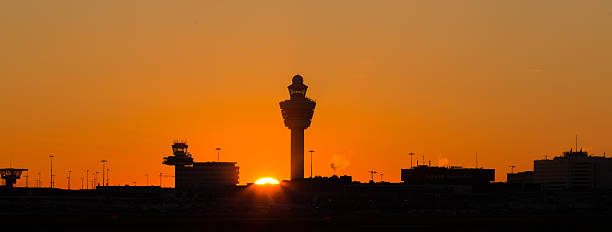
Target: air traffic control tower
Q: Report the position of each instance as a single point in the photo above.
(11, 175)
(297, 113)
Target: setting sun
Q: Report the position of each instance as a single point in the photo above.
(266, 180)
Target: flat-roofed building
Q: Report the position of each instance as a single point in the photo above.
(573, 170)
(526, 177)
(206, 174)
(424, 174)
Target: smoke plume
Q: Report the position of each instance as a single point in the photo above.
(338, 164)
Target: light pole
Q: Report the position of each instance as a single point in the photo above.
(381, 177)
(411, 154)
(147, 175)
(372, 172)
(511, 169)
(96, 180)
(218, 153)
(51, 183)
(103, 167)
(87, 182)
(311, 151)
(160, 179)
(69, 178)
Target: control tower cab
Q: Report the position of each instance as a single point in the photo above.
(11, 175)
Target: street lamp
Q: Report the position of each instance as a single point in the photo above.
(411, 154)
(51, 182)
(69, 171)
(103, 168)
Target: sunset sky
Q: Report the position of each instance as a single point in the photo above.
(121, 80)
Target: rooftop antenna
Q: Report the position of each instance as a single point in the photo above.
(576, 142)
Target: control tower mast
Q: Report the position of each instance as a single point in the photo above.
(297, 113)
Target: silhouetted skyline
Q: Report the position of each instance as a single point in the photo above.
(513, 81)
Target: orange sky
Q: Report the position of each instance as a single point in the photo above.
(120, 80)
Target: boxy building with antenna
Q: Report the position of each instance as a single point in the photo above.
(574, 170)
(190, 175)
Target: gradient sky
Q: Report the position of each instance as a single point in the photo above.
(120, 80)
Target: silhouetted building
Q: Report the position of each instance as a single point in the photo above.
(128, 189)
(331, 180)
(424, 174)
(297, 113)
(521, 178)
(574, 170)
(319, 184)
(10, 176)
(191, 175)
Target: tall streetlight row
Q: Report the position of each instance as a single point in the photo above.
(105, 176)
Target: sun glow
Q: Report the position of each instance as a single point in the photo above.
(266, 180)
